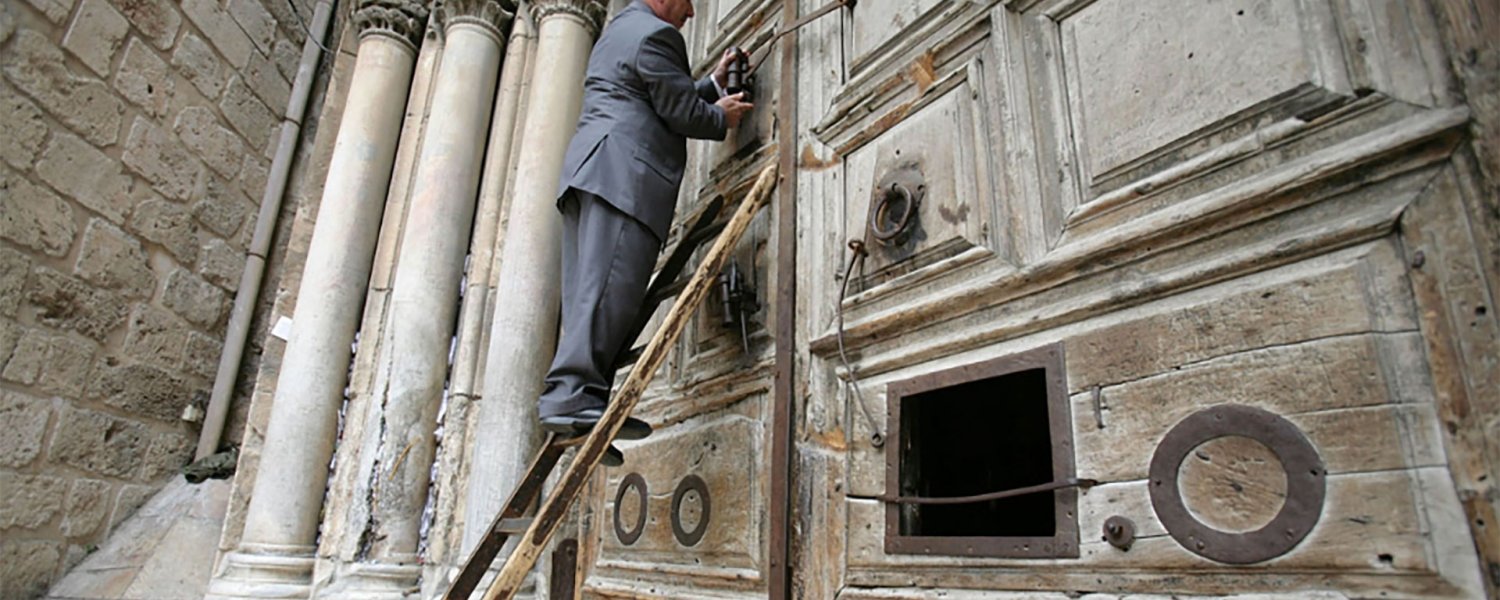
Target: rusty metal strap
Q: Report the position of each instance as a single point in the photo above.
(1012, 493)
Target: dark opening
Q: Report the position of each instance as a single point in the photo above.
(974, 438)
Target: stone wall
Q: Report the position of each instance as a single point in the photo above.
(137, 141)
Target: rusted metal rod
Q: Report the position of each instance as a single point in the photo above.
(1012, 493)
(808, 18)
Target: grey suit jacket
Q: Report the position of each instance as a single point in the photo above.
(640, 104)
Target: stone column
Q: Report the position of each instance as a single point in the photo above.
(429, 267)
(472, 340)
(275, 556)
(524, 331)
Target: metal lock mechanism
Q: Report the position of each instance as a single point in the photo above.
(894, 218)
(740, 76)
(738, 295)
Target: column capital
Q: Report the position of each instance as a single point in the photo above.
(401, 20)
(493, 16)
(589, 12)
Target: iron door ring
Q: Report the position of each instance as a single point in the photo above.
(690, 483)
(1306, 484)
(633, 480)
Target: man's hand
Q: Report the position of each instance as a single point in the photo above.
(734, 108)
(721, 72)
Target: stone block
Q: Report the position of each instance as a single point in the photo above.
(253, 175)
(157, 20)
(222, 209)
(15, 267)
(182, 563)
(54, 10)
(220, 148)
(87, 507)
(74, 555)
(144, 79)
(25, 131)
(168, 225)
(98, 443)
(221, 30)
(287, 56)
(96, 34)
(30, 501)
(25, 364)
(141, 390)
(157, 155)
(131, 498)
(266, 81)
(27, 567)
(156, 337)
(34, 217)
(168, 453)
(196, 60)
(113, 260)
(194, 299)
(221, 264)
(25, 420)
(256, 21)
(246, 113)
(78, 170)
(68, 363)
(10, 333)
(67, 303)
(87, 106)
(202, 357)
(7, 23)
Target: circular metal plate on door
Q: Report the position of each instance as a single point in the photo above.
(638, 483)
(690, 483)
(1306, 484)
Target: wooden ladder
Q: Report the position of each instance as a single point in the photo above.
(538, 530)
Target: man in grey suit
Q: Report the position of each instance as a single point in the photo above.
(618, 193)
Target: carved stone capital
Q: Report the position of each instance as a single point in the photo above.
(589, 12)
(494, 16)
(401, 20)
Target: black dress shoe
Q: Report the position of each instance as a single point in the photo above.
(580, 422)
(613, 457)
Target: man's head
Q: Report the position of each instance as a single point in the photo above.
(676, 12)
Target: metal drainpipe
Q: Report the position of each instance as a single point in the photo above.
(255, 259)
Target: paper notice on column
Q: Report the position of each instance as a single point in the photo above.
(282, 328)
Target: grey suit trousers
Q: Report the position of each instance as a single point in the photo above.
(607, 259)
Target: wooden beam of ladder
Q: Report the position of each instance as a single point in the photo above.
(530, 545)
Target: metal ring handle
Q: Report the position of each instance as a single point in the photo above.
(882, 212)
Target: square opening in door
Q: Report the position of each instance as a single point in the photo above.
(995, 426)
(974, 438)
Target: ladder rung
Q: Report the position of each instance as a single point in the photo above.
(666, 291)
(513, 525)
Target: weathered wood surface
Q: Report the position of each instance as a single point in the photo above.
(1372, 525)
(951, 217)
(513, 573)
(1233, 484)
(1131, 94)
(1241, 341)
(1454, 293)
(1006, 303)
(727, 453)
(1376, 511)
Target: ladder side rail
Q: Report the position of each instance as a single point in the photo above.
(494, 539)
(554, 508)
